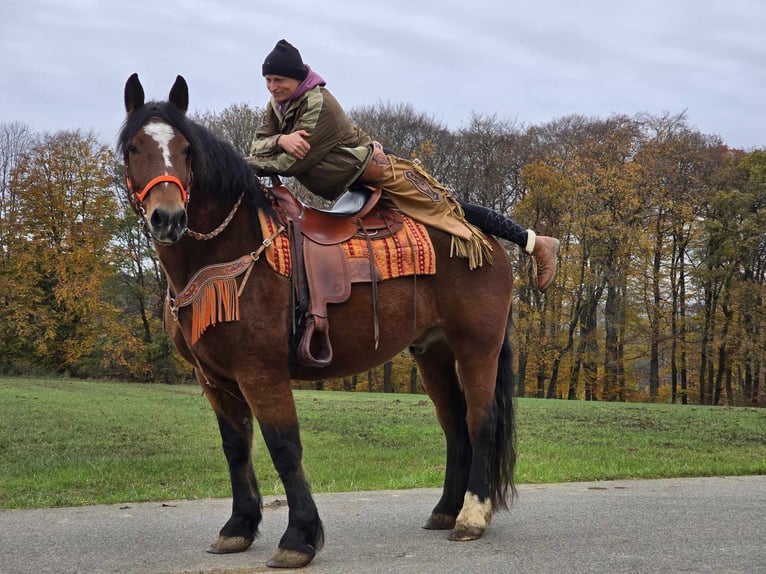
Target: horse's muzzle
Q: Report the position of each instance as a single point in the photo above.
(168, 226)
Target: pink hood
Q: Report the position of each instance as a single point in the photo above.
(312, 81)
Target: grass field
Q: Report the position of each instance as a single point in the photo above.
(67, 442)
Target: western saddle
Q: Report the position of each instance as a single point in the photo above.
(321, 272)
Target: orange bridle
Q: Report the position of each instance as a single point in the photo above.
(156, 181)
(138, 196)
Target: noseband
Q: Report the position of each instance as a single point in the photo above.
(137, 197)
(156, 181)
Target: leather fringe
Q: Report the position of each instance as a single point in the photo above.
(477, 249)
(218, 302)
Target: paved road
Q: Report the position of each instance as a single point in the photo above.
(705, 525)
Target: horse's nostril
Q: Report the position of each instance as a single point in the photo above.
(159, 219)
(180, 219)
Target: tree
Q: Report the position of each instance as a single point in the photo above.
(409, 134)
(730, 253)
(675, 166)
(235, 124)
(15, 141)
(60, 257)
(751, 300)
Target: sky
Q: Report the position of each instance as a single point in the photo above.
(64, 63)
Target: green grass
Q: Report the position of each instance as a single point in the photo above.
(68, 442)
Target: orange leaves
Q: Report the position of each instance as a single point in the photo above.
(57, 246)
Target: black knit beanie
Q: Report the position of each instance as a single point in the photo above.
(285, 60)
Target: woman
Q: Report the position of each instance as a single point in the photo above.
(307, 135)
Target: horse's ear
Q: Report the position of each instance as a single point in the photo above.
(134, 94)
(179, 94)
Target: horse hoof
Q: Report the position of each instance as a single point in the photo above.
(473, 519)
(230, 544)
(465, 533)
(284, 558)
(440, 522)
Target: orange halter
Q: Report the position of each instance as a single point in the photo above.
(138, 196)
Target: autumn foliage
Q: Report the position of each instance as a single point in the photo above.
(660, 294)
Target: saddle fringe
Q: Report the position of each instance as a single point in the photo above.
(476, 250)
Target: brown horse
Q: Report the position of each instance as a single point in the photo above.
(199, 200)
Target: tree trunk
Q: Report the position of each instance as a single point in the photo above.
(521, 376)
(414, 381)
(682, 329)
(611, 361)
(654, 316)
(525, 338)
(590, 365)
(729, 389)
(574, 375)
(724, 368)
(704, 346)
(388, 384)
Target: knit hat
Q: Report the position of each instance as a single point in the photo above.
(285, 60)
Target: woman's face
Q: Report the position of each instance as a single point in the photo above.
(280, 87)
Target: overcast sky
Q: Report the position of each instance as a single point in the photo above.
(63, 63)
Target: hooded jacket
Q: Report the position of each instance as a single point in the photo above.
(339, 150)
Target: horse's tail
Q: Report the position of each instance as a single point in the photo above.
(503, 459)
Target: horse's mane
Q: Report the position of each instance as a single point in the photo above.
(219, 170)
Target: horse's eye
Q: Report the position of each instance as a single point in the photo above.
(132, 149)
(187, 151)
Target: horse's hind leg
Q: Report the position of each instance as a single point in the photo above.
(235, 423)
(490, 427)
(437, 368)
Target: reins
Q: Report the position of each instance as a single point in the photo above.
(205, 236)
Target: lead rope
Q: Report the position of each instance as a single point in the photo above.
(217, 231)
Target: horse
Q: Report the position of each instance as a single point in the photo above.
(199, 201)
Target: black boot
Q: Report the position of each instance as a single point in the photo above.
(544, 249)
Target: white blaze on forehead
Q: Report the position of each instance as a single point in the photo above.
(162, 134)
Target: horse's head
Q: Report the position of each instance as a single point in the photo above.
(158, 159)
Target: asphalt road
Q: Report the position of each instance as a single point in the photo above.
(703, 525)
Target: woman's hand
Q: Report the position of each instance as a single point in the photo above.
(295, 143)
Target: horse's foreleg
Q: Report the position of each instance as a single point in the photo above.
(236, 427)
(437, 368)
(304, 536)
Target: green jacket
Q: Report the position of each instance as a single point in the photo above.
(339, 150)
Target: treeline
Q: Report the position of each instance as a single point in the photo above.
(660, 294)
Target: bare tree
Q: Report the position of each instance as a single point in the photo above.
(407, 133)
(15, 139)
(236, 124)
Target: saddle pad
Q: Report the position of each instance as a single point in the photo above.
(408, 252)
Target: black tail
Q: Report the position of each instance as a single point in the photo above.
(503, 458)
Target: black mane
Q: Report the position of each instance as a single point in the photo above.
(218, 169)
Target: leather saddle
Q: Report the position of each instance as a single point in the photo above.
(321, 272)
